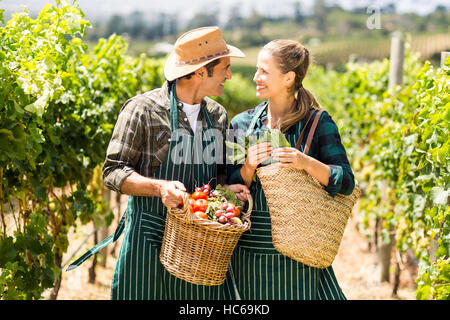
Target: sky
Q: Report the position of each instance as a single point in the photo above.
(94, 9)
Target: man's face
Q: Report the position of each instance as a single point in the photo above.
(213, 86)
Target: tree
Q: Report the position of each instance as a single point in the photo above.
(298, 15)
(320, 15)
(116, 24)
(254, 21)
(137, 26)
(203, 19)
(235, 19)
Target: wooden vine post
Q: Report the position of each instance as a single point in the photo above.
(384, 250)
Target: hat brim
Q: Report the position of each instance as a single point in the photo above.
(172, 71)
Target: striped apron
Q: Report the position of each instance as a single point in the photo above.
(139, 273)
(262, 273)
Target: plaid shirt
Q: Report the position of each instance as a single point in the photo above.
(326, 147)
(141, 136)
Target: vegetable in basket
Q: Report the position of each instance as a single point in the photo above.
(219, 205)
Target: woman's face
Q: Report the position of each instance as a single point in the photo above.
(269, 79)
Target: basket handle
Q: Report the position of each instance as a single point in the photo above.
(247, 214)
(187, 213)
(311, 131)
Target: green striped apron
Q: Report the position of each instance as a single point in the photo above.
(260, 272)
(139, 273)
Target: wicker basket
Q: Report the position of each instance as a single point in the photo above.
(199, 250)
(307, 223)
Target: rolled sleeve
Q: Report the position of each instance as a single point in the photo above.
(333, 153)
(125, 146)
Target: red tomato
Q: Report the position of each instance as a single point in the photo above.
(200, 205)
(237, 212)
(201, 214)
(199, 195)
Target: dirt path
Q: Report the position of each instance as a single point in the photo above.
(354, 267)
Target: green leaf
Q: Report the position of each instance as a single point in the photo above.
(7, 251)
(278, 139)
(423, 292)
(439, 195)
(38, 106)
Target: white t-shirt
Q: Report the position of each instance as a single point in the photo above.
(192, 111)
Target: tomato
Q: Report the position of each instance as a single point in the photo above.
(237, 212)
(200, 205)
(201, 214)
(199, 195)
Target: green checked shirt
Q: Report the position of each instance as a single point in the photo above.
(141, 136)
(325, 147)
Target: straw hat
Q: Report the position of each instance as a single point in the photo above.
(196, 48)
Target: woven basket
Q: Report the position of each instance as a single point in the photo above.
(307, 223)
(199, 250)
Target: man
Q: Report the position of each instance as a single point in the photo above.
(157, 153)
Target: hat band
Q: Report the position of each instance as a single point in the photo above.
(204, 58)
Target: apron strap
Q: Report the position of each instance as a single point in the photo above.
(173, 107)
(208, 120)
(101, 245)
(255, 118)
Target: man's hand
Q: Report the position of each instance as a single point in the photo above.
(171, 193)
(240, 190)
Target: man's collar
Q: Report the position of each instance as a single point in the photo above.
(166, 96)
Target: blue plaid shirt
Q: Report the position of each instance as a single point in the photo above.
(325, 147)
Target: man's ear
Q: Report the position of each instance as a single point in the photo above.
(201, 73)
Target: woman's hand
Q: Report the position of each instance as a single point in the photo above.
(257, 154)
(294, 158)
(291, 158)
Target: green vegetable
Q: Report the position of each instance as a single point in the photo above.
(240, 148)
(228, 194)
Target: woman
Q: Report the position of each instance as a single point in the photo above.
(260, 271)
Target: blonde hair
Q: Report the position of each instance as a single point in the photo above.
(293, 56)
